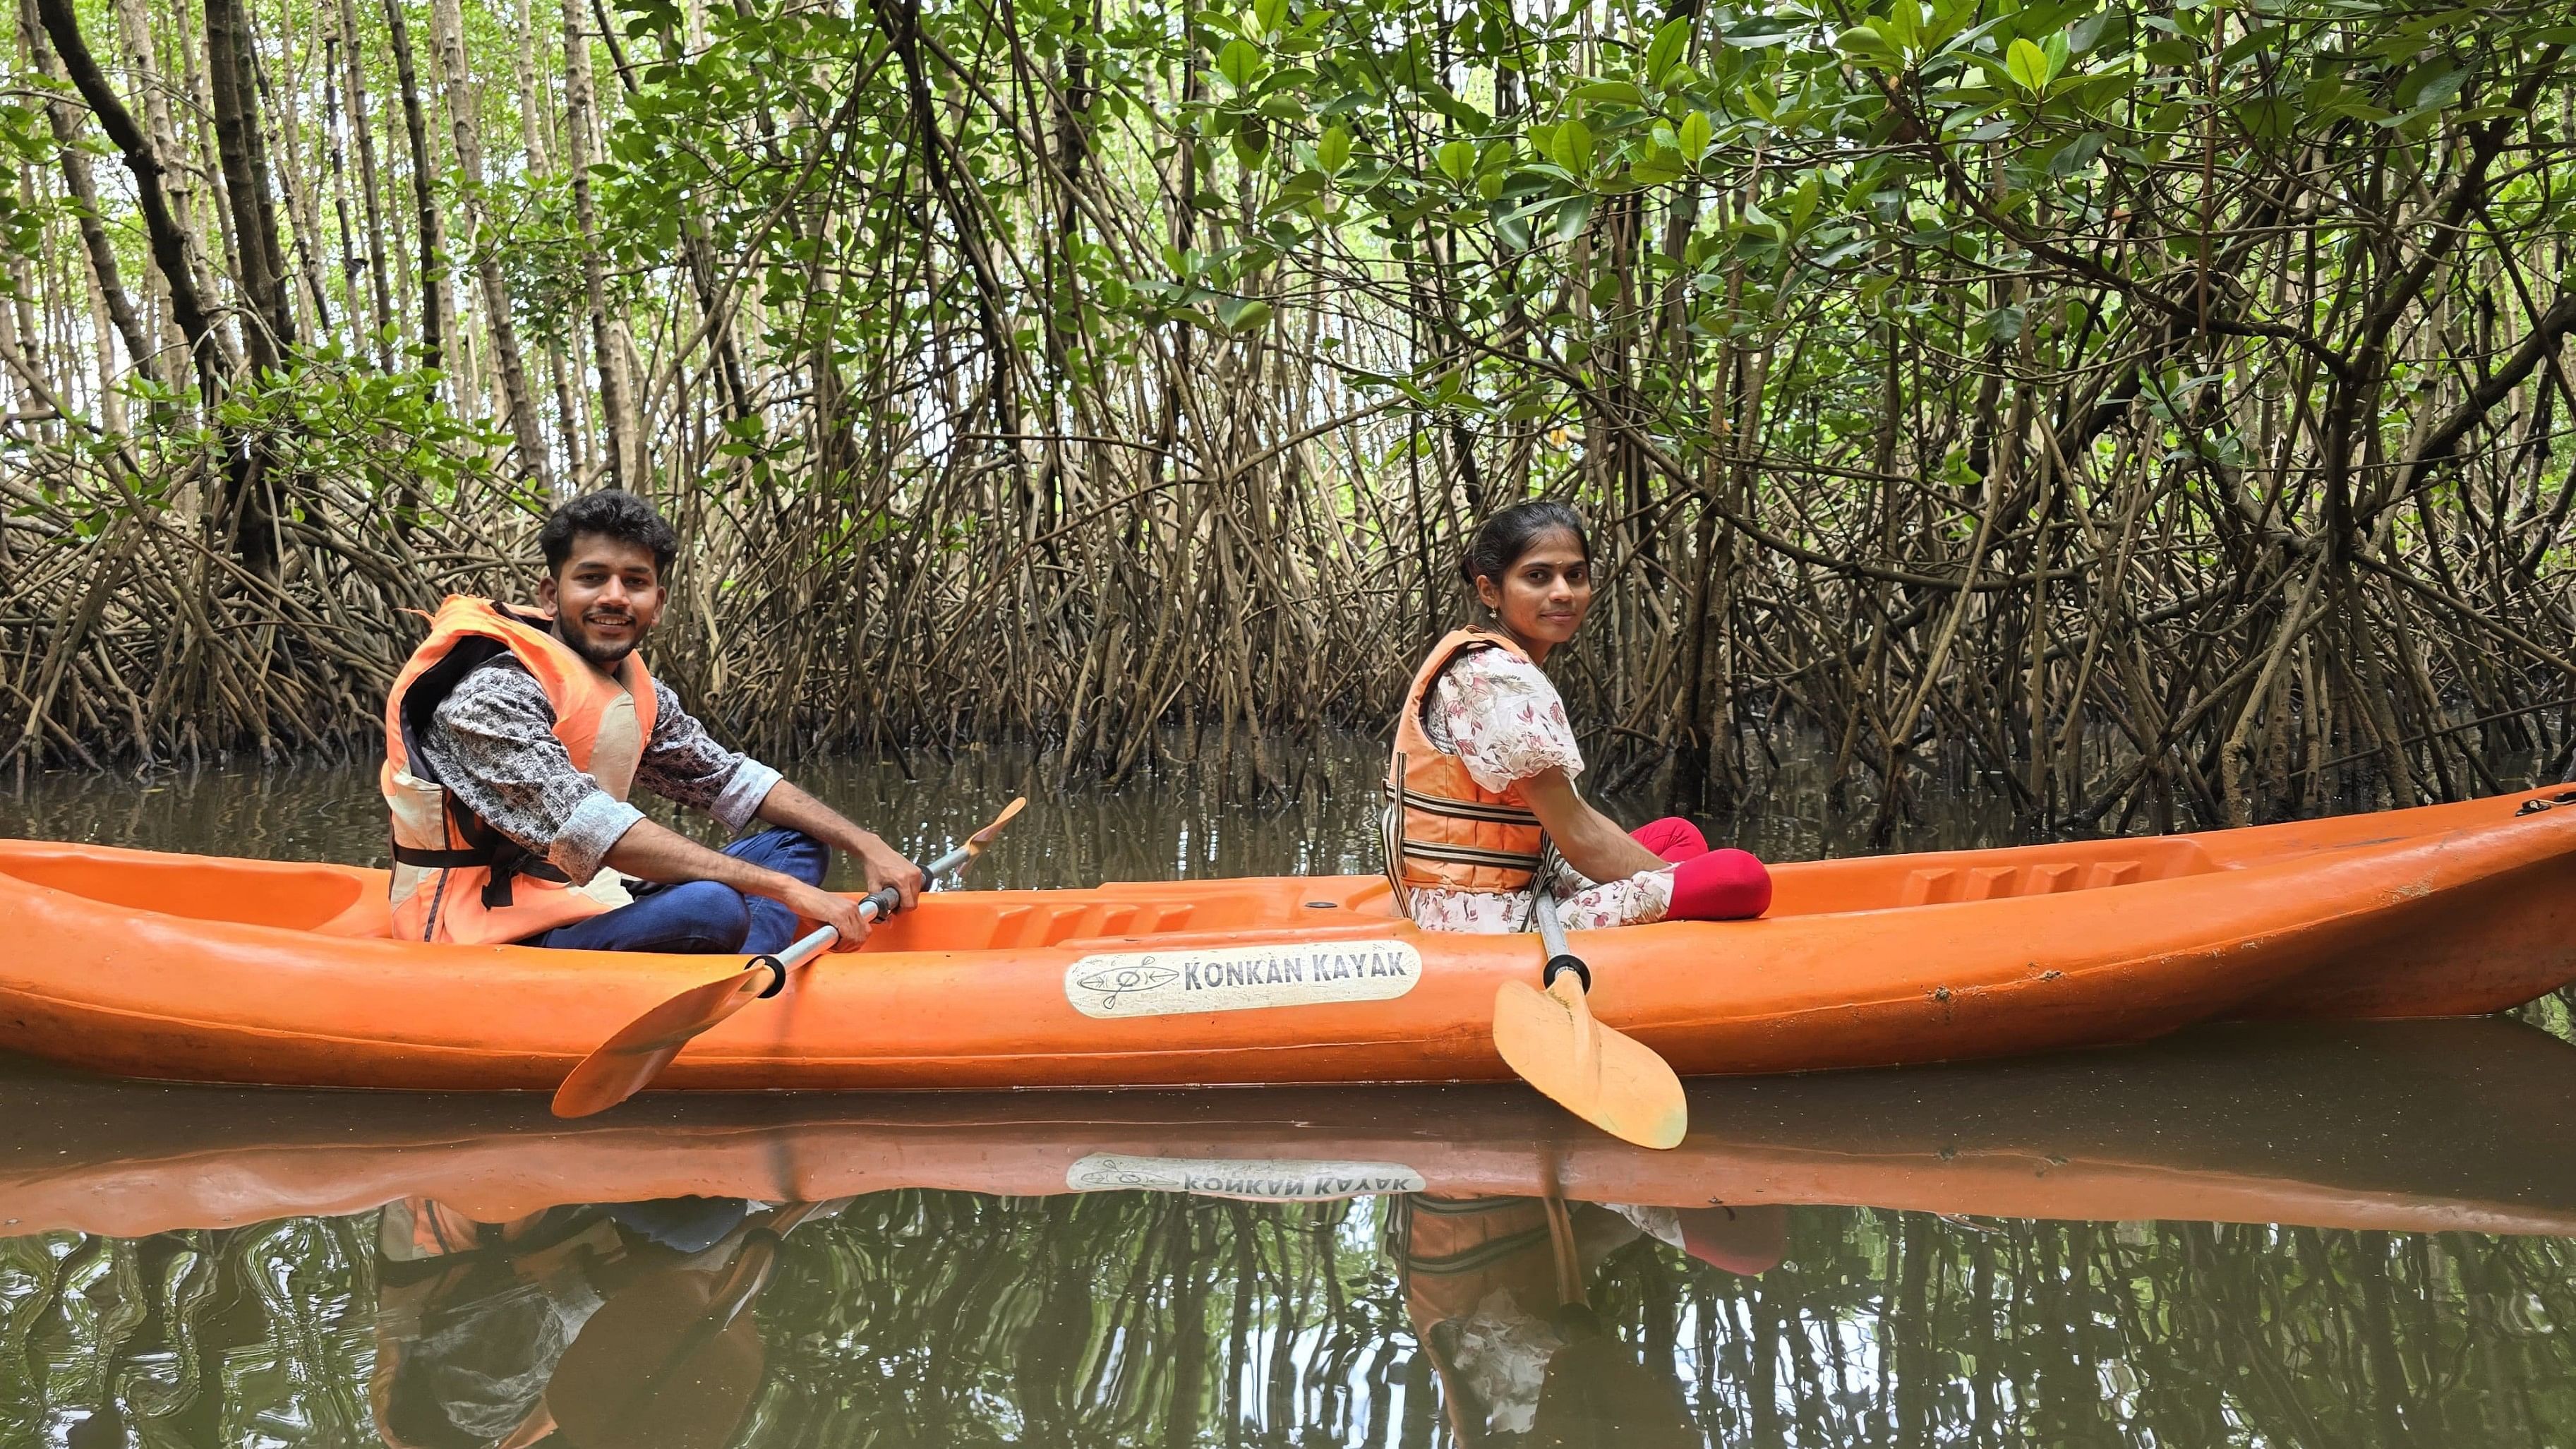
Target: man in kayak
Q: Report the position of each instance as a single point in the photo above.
(512, 739)
(621, 1324)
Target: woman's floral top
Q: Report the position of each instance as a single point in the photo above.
(1505, 722)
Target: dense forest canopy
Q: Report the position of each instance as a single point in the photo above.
(2150, 411)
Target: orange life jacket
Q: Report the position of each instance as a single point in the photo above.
(1464, 1258)
(1442, 829)
(455, 877)
(1458, 1251)
(436, 1261)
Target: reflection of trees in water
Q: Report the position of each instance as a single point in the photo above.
(926, 1317)
(257, 1335)
(948, 1318)
(1905, 1329)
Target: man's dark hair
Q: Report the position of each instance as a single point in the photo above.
(611, 512)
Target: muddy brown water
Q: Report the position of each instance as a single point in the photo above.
(2354, 1235)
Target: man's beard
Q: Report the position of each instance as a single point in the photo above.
(603, 656)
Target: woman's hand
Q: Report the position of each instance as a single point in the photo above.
(1590, 841)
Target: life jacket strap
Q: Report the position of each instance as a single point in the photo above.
(1471, 855)
(496, 891)
(1454, 809)
(507, 861)
(1390, 851)
(437, 859)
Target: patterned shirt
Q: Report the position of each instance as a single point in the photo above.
(1505, 722)
(492, 744)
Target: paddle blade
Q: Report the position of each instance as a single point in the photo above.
(668, 1362)
(627, 1062)
(976, 842)
(1605, 1077)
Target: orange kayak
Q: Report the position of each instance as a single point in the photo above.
(192, 968)
(2416, 1126)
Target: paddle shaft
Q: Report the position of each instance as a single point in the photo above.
(876, 907)
(627, 1062)
(1551, 936)
(1560, 961)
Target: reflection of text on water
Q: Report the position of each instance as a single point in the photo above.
(1265, 1179)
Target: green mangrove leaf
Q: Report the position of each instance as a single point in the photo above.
(1665, 51)
(1618, 92)
(1333, 150)
(1691, 139)
(1572, 217)
(2028, 65)
(1660, 166)
(1241, 62)
(1571, 146)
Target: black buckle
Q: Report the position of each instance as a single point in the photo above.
(496, 891)
(2537, 804)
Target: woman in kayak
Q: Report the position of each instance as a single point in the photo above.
(1481, 791)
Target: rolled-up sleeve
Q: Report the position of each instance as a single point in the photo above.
(493, 746)
(684, 764)
(589, 833)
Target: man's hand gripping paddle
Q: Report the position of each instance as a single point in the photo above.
(628, 1062)
(1605, 1077)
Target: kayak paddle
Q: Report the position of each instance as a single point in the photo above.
(670, 1359)
(627, 1063)
(1606, 1077)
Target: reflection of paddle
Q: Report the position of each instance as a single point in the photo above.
(671, 1359)
(627, 1063)
(1595, 1392)
(1605, 1077)
(1598, 1396)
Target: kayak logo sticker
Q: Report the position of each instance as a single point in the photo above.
(1261, 1179)
(1239, 978)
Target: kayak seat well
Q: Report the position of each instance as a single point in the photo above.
(1201, 912)
(1049, 925)
(257, 893)
(1006, 922)
(1877, 883)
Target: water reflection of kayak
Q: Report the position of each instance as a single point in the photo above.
(2414, 1126)
(192, 968)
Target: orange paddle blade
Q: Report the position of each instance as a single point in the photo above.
(670, 1361)
(1606, 1077)
(976, 842)
(626, 1063)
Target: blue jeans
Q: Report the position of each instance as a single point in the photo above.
(700, 915)
(682, 1224)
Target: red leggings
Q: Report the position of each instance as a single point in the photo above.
(1708, 885)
